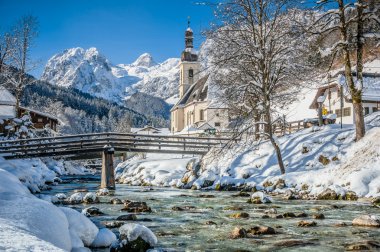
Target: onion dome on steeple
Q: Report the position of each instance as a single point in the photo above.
(188, 54)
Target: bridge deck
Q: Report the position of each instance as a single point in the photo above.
(94, 143)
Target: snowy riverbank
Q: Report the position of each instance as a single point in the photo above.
(31, 224)
(316, 159)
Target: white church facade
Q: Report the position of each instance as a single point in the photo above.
(196, 112)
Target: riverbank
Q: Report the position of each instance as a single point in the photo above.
(318, 160)
(32, 224)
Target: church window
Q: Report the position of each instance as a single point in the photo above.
(191, 73)
(201, 115)
(217, 124)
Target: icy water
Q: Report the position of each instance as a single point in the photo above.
(188, 231)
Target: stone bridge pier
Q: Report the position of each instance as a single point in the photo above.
(108, 173)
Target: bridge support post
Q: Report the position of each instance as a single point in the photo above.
(108, 174)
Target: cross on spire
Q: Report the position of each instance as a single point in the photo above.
(188, 21)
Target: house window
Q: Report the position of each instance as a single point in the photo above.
(217, 124)
(191, 73)
(39, 120)
(346, 111)
(375, 110)
(217, 114)
(338, 112)
(201, 115)
(366, 110)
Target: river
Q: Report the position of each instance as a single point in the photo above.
(189, 231)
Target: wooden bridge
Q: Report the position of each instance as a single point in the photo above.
(107, 144)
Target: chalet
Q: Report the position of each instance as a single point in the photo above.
(196, 111)
(39, 119)
(335, 89)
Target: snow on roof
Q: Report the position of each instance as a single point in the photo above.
(40, 113)
(150, 129)
(189, 29)
(7, 112)
(6, 98)
(371, 86)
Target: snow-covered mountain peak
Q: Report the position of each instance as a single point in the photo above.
(91, 72)
(144, 60)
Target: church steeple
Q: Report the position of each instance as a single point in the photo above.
(189, 67)
(188, 54)
(189, 36)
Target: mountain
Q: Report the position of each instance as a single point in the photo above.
(91, 72)
(149, 105)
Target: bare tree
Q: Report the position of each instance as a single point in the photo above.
(6, 50)
(22, 38)
(259, 55)
(350, 20)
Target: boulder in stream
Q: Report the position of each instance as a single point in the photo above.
(127, 217)
(136, 207)
(92, 211)
(305, 223)
(367, 221)
(90, 198)
(238, 232)
(134, 238)
(261, 230)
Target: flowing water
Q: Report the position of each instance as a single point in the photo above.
(188, 231)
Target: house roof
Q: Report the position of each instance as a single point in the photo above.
(40, 113)
(6, 98)
(196, 92)
(371, 88)
(320, 92)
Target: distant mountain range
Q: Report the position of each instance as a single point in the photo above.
(91, 72)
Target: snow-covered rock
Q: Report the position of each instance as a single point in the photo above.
(80, 226)
(134, 237)
(104, 238)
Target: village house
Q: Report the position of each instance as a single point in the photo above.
(196, 112)
(333, 104)
(39, 119)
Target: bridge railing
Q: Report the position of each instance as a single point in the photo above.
(95, 142)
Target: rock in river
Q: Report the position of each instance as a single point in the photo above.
(134, 238)
(113, 224)
(92, 211)
(366, 220)
(238, 232)
(261, 230)
(116, 201)
(239, 215)
(127, 217)
(305, 223)
(136, 207)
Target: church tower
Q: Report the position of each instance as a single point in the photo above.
(189, 67)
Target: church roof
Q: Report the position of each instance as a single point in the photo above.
(197, 92)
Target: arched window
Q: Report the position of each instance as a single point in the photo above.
(191, 73)
(201, 115)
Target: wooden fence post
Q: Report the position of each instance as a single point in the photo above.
(108, 174)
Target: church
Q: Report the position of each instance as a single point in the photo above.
(196, 112)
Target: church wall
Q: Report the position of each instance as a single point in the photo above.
(217, 117)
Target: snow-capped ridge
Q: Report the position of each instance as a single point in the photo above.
(144, 60)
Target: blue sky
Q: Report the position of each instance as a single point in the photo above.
(121, 29)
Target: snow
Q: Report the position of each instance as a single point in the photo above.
(37, 223)
(104, 238)
(6, 98)
(354, 166)
(155, 169)
(80, 226)
(134, 231)
(31, 224)
(91, 72)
